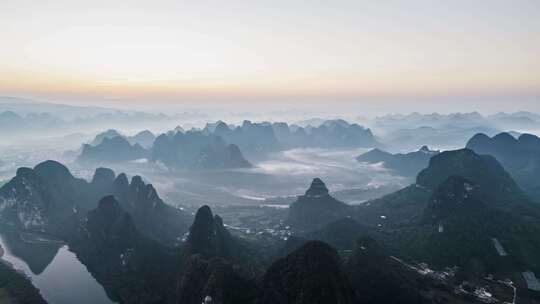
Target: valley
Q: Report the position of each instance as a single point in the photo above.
(129, 221)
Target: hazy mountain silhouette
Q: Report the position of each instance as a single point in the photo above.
(408, 164)
(115, 149)
(195, 150)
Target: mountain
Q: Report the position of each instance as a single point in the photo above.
(38, 120)
(195, 150)
(103, 180)
(378, 278)
(212, 259)
(257, 139)
(407, 205)
(251, 138)
(485, 170)
(132, 268)
(315, 208)
(435, 120)
(343, 233)
(313, 270)
(37, 255)
(46, 197)
(444, 131)
(209, 238)
(465, 227)
(447, 131)
(454, 212)
(110, 224)
(394, 210)
(516, 120)
(112, 150)
(144, 138)
(453, 194)
(111, 133)
(9, 119)
(25, 106)
(215, 278)
(329, 134)
(445, 137)
(153, 217)
(13, 124)
(459, 205)
(408, 164)
(521, 156)
(339, 133)
(135, 269)
(50, 198)
(311, 274)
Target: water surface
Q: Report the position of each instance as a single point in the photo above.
(64, 280)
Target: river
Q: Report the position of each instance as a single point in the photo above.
(64, 280)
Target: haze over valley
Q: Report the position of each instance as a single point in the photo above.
(284, 152)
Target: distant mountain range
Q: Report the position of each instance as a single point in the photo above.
(219, 146)
(257, 138)
(518, 120)
(112, 150)
(45, 123)
(408, 164)
(25, 106)
(397, 132)
(251, 138)
(404, 132)
(176, 150)
(144, 138)
(197, 150)
(37, 119)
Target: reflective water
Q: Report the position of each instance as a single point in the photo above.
(62, 280)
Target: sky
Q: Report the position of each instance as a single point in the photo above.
(397, 54)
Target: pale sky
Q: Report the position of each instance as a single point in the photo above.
(294, 51)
